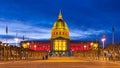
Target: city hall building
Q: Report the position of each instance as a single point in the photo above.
(60, 43)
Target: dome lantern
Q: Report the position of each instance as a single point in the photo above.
(60, 15)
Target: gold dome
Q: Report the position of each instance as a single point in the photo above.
(60, 28)
(60, 24)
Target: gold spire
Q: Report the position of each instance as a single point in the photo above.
(60, 15)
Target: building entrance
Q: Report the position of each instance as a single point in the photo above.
(59, 54)
(59, 48)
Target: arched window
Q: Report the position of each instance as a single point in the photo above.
(65, 33)
(60, 33)
(56, 33)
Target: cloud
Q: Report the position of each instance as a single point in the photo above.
(33, 32)
(23, 28)
(80, 34)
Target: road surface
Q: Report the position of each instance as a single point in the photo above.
(58, 62)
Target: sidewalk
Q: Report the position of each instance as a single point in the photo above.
(101, 60)
(17, 62)
(107, 61)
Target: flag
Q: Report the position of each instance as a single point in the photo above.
(6, 29)
(23, 37)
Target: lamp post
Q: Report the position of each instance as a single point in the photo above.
(35, 51)
(27, 50)
(103, 41)
(16, 49)
(85, 51)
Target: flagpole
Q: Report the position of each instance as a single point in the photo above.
(113, 35)
(7, 42)
(113, 41)
(5, 56)
(16, 39)
(6, 35)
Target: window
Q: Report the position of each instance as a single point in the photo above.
(60, 45)
(60, 33)
(56, 33)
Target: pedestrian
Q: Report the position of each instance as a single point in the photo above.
(46, 57)
(43, 58)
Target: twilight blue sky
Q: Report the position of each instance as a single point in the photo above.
(86, 19)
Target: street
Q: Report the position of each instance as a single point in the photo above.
(58, 62)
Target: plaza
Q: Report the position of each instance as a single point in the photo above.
(60, 62)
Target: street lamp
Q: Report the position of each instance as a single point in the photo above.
(103, 41)
(85, 47)
(28, 43)
(35, 47)
(91, 43)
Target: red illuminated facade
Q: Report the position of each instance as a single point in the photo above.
(46, 45)
(36, 45)
(80, 45)
(40, 46)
